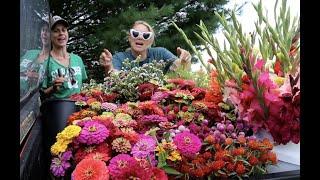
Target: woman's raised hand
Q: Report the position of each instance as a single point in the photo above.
(106, 58)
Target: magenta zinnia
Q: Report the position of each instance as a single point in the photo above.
(144, 147)
(93, 133)
(153, 119)
(118, 163)
(60, 164)
(187, 143)
(158, 96)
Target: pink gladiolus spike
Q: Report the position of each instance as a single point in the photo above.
(259, 64)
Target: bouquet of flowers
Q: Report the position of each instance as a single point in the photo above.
(126, 81)
(263, 84)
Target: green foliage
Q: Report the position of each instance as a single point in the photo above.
(98, 24)
(200, 78)
(126, 81)
(274, 42)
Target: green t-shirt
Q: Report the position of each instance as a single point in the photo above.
(28, 62)
(76, 71)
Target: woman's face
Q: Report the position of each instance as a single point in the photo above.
(137, 40)
(59, 36)
(45, 35)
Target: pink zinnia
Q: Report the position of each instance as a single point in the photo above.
(153, 119)
(159, 96)
(93, 133)
(109, 106)
(144, 147)
(187, 143)
(118, 163)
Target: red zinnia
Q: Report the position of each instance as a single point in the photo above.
(217, 165)
(91, 169)
(230, 167)
(242, 139)
(263, 157)
(253, 160)
(98, 156)
(229, 141)
(238, 151)
(240, 169)
(158, 174)
(272, 157)
(210, 139)
(268, 145)
(84, 151)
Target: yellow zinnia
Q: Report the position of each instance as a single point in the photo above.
(59, 147)
(174, 155)
(69, 133)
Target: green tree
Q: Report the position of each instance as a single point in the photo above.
(98, 24)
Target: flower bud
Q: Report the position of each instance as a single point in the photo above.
(221, 127)
(230, 127)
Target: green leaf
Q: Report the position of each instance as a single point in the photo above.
(162, 159)
(170, 170)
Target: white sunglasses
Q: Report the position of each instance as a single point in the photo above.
(135, 34)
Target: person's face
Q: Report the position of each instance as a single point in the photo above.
(138, 40)
(45, 35)
(59, 35)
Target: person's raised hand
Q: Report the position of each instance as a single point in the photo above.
(58, 82)
(184, 55)
(105, 58)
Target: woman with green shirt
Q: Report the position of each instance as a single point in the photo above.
(64, 71)
(31, 63)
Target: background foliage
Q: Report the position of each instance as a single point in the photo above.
(98, 24)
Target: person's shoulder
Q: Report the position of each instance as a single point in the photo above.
(75, 55)
(157, 49)
(34, 51)
(30, 55)
(121, 55)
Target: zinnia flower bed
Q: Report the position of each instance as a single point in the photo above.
(177, 132)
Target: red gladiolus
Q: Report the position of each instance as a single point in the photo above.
(277, 68)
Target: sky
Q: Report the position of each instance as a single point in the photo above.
(249, 16)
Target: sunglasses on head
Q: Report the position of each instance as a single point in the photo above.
(71, 73)
(135, 34)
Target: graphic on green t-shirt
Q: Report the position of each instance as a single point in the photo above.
(74, 75)
(29, 63)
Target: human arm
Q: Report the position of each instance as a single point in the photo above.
(106, 61)
(57, 83)
(184, 59)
